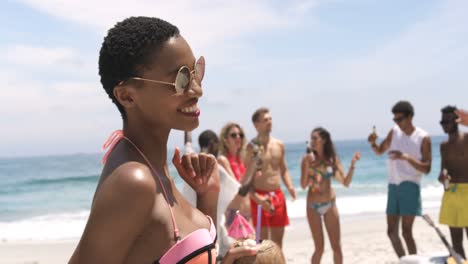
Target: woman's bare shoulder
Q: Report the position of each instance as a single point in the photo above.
(132, 180)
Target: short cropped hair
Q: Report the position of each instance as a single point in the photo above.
(259, 112)
(449, 109)
(128, 47)
(404, 107)
(206, 138)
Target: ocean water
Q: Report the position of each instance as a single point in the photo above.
(48, 198)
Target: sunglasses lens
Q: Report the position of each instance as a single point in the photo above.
(446, 122)
(235, 135)
(200, 69)
(182, 80)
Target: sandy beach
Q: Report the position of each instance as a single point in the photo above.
(364, 240)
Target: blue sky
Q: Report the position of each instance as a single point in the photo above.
(340, 64)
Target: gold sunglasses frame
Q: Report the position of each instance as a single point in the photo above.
(200, 61)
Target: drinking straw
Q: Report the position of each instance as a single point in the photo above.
(259, 223)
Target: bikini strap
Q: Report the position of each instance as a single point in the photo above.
(110, 143)
(114, 138)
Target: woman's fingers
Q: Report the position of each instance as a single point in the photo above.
(176, 160)
(199, 166)
(210, 165)
(187, 163)
(195, 162)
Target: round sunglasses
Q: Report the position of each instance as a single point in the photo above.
(235, 135)
(184, 76)
(447, 122)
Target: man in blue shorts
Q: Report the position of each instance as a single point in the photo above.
(409, 157)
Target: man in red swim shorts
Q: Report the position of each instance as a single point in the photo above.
(267, 184)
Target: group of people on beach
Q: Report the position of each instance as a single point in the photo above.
(410, 156)
(265, 171)
(260, 166)
(138, 215)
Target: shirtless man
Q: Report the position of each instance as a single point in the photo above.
(453, 151)
(267, 184)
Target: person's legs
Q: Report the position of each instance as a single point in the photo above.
(393, 219)
(315, 224)
(279, 219)
(277, 234)
(265, 218)
(332, 224)
(410, 205)
(407, 226)
(392, 232)
(264, 233)
(456, 233)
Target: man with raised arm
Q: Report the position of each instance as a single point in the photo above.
(409, 157)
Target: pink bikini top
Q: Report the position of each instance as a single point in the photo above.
(197, 247)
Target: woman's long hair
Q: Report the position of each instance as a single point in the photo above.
(223, 149)
(328, 147)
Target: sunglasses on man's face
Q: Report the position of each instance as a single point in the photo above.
(399, 119)
(184, 76)
(235, 135)
(447, 122)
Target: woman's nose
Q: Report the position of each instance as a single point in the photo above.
(195, 89)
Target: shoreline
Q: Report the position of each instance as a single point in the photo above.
(363, 236)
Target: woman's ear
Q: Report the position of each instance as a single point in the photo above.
(124, 95)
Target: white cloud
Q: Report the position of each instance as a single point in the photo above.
(19, 95)
(426, 52)
(425, 63)
(49, 110)
(53, 62)
(26, 96)
(39, 56)
(44, 117)
(203, 22)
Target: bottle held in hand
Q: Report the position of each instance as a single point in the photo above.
(373, 136)
(374, 133)
(308, 150)
(446, 179)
